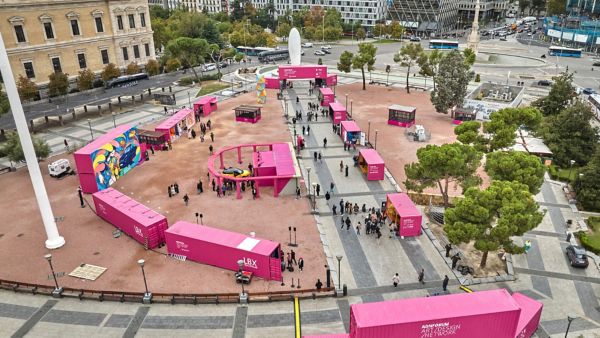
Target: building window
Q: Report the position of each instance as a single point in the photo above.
(75, 27)
(104, 54)
(99, 25)
(131, 20)
(81, 60)
(147, 48)
(56, 65)
(120, 22)
(125, 53)
(136, 51)
(29, 70)
(48, 30)
(20, 33)
(143, 19)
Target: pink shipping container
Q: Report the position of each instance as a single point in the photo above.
(531, 313)
(222, 248)
(350, 132)
(489, 314)
(331, 80)
(339, 335)
(401, 210)
(135, 219)
(326, 96)
(205, 105)
(371, 164)
(272, 82)
(337, 112)
(302, 72)
(175, 125)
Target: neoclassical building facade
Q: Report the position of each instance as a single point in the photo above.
(46, 36)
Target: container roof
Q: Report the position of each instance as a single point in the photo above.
(336, 106)
(403, 204)
(129, 207)
(102, 140)
(371, 156)
(402, 108)
(326, 91)
(174, 119)
(350, 126)
(529, 309)
(205, 100)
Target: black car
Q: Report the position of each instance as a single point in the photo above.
(577, 256)
(544, 83)
(596, 64)
(325, 51)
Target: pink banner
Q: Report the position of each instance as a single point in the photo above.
(302, 72)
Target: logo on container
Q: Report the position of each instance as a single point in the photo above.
(102, 208)
(408, 223)
(439, 330)
(250, 263)
(181, 246)
(138, 231)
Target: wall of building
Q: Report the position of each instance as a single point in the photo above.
(367, 12)
(64, 44)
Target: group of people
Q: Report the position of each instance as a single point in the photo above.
(173, 189)
(290, 261)
(228, 187)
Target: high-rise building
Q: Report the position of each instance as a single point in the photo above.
(367, 12)
(489, 10)
(425, 17)
(47, 36)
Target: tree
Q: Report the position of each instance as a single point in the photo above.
(441, 165)
(152, 67)
(470, 56)
(570, 135)
(85, 80)
(345, 64)
(190, 52)
(429, 64)
(516, 166)
(408, 56)
(493, 217)
(587, 184)
(132, 69)
(4, 103)
(561, 94)
(452, 80)
(13, 150)
(396, 30)
(380, 30)
(364, 57)
(333, 33)
(468, 133)
(556, 7)
(172, 65)
(159, 12)
(110, 72)
(27, 89)
(538, 5)
(361, 34)
(523, 4)
(264, 16)
(58, 85)
(217, 54)
(283, 30)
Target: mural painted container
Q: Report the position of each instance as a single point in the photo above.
(222, 248)
(108, 158)
(138, 221)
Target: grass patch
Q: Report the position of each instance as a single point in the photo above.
(562, 174)
(591, 239)
(386, 41)
(208, 88)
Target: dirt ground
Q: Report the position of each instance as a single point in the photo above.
(89, 239)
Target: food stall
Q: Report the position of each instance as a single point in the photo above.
(177, 124)
(222, 248)
(463, 115)
(331, 80)
(205, 105)
(350, 132)
(138, 221)
(403, 116)
(152, 139)
(371, 164)
(325, 96)
(401, 211)
(272, 82)
(337, 112)
(245, 113)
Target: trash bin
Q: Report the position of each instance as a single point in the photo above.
(345, 290)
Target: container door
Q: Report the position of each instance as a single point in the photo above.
(275, 268)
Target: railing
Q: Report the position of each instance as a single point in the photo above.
(172, 298)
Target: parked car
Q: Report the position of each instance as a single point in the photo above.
(326, 47)
(588, 91)
(415, 39)
(544, 83)
(596, 64)
(236, 172)
(319, 53)
(577, 256)
(307, 45)
(325, 51)
(224, 64)
(208, 67)
(503, 38)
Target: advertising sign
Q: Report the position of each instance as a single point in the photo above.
(302, 72)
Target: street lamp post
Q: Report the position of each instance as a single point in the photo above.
(570, 318)
(189, 99)
(243, 295)
(308, 176)
(57, 292)
(90, 125)
(376, 131)
(114, 121)
(351, 111)
(346, 101)
(147, 295)
(339, 259)
(369, 132)
(571, 168)
(314, 199)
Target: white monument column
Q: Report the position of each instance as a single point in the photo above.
(473, 42)
(54, 240)
(294, 47)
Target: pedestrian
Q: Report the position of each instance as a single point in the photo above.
(297, 192)
(186, 199)
(346, 170)
(341, 166)
(300, 264)
(209, 125)
(293, 256)
(210, 149)
(213, 184)
(348, 223)
(342, 206)
(325, 142)
(223, 189)
(297, 99)
(320, 157)
(358, 226)
(327, 196)
(445, 282)
(66, 144)
(319, 285)
(165, 108)
(303, 130)
(331, 187)
(169, 191)
(282, 265)
(527, 246)
(455, 260)
(253, 193)
(199, 187)
(448, 248)
(176, 188)
(396, 279)
(334, 209)
(307, 130)
(315, 155)
(422, 276)
(212, 137)
(318, 189)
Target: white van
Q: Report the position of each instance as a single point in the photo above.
(307, 45)
(208, 67)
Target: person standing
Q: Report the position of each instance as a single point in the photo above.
(297, 192)
(176, 188)
(445, 282)
(307, 130)
(331, 187)
(66, 145)
(341, 166)
(327, 197)
(212, 137)
(319, 285)
(186, 199)
(253, 193)
(293, 256)
(334, 209)
(213, 184)
(448, 248)
(318, 189)
(325, 142)
(396, 279)
(289, 261)
(169, 189)
(342, 206)
(303, 130)
(300, 264)
(358, 226)
(210, 149)
(455, 260)
(346, 170)
(422, 276)
(199, 187)
(348, 223)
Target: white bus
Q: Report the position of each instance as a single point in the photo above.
(594, 101)
(443, 44)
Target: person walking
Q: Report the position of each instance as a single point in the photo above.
(212, 137)
(300, 264)
(445, 282)
(186, 199)
(254, 193)
(297, 192)
(346, 170)
(289, 260)
(307, 130)
(455, 260)
(358, 226)
(293, 256)
(318, 189)
(342, 206)
(396, 280)
(213, 184)
(303, 130)
(448, 248)
(165, 108)
(422, 276)
(199, 187)
(210, 149)
(327, 197)
(315, 155)
(348, 223)
(331, 187)
(176, 188)
(325, 142)
(170, 191)
(341, 166)
(334, 209)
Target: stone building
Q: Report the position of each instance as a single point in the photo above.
(46, 36)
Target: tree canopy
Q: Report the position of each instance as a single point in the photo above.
(364, 57)
(493, 217)
(345, 64)
(587, 184)
(430, 64)
(191, 52)
(442, 165)
(561, 94)
(58, 84)
(516, 166)
(13, 150)
(410, 54)
(451, 81)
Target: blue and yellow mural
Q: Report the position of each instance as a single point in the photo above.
(116, 158)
